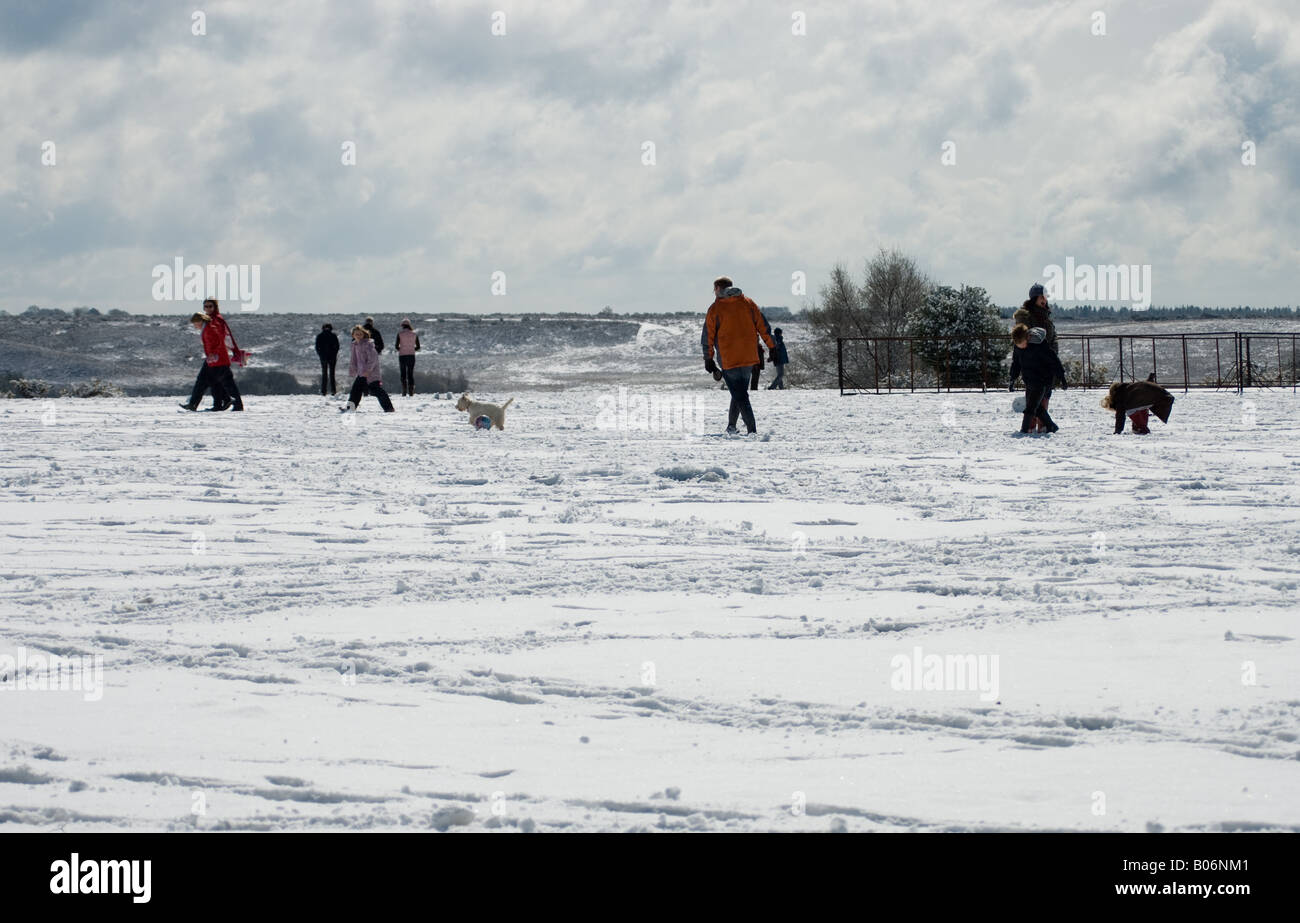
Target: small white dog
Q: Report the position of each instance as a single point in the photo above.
(494, 412)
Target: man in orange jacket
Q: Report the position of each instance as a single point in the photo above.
(733, 327)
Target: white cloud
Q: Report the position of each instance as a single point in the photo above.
(522, 153)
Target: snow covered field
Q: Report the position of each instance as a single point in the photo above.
(312, 621)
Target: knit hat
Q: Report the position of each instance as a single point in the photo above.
(1036, 289)
(327, 327)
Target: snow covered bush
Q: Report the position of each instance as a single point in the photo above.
(97, 388)
(269, 381)
(961, 337)
(1097, 374)
(27, 387)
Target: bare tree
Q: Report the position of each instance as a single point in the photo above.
(893, 287)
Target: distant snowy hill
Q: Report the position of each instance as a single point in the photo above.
(159, 355)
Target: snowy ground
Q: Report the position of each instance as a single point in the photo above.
(311, 621)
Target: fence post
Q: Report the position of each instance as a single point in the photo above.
(1236, 345)
(1183, 337)
(1120, 341)
(839, 349)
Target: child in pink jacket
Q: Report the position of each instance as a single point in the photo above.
(364, 367)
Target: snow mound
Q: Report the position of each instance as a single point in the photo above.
(692, 473)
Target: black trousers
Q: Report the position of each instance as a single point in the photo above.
(204, 381)
(738, 384)
(361, 387)
(755, 371)
(327, 374)
(1034, 395)
(406, 365)
(225, 379)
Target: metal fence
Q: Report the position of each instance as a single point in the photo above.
(1233, 360)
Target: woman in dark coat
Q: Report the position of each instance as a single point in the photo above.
(1135, 399)
(1035, 313)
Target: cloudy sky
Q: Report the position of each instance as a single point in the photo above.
(525, 153)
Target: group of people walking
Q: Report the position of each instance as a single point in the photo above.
(732, 339)
(363, 362)
(214, 373)
(1034, 358)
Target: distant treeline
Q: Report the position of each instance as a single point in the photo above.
(1180, 312)
(780, 313)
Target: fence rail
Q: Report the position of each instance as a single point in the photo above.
(1230, 360)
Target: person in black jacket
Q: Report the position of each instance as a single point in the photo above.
(374, 335)
(1039, 366)
(780, 358)
(327, 347)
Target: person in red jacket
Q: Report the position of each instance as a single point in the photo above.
(732, 329)
(215, 333)
(203, 381)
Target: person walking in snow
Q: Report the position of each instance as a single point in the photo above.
(733, 328)
(758, 369)
(216, 333)
(1136, 400)
(327, 348)
(1040, 366)
(374, 335)
(204, 380)
(780, 358)
(363, 365)
(1036, 313)
(408, 344)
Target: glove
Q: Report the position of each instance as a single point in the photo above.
(710, 367)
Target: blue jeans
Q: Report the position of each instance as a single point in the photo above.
(737, 380)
